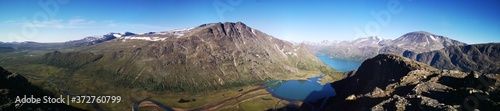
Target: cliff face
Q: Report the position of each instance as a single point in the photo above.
(13, 85)
(392, 82)
(478, 57)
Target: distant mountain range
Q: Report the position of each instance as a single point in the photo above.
(438, 51)
(363, 48)
(477, 57)
(92, 40)
(87, 41)
(358, 49)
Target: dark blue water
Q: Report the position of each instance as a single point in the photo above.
(340, 64)
(300, 90)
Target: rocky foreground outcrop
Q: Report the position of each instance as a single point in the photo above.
(391, 82)
(14, 85)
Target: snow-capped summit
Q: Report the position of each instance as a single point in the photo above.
(421, 41)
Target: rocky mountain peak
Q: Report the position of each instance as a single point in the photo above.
(231, 29)
(223, 23)
(384, 69)
(229, 25)
(421, 41)
(418, 36)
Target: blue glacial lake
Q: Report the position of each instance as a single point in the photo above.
(340, 64)
(310, 90)
(300, 90)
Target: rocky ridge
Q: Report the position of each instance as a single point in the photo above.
(477, 57)
(392, 82)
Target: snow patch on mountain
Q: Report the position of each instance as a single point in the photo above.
(107, 37)
(117, 35)
(176, 32)
(144, 38)
(180, 32)
(432, 37)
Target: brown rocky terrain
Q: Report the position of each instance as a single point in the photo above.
(392, 82)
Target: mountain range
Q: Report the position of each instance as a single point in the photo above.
(87, 41)
(435, 50)
(363, 48)
(401, 74)
(168, 65)
(208, 56)
(476, 57)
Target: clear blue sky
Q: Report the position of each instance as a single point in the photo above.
(470, 21)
